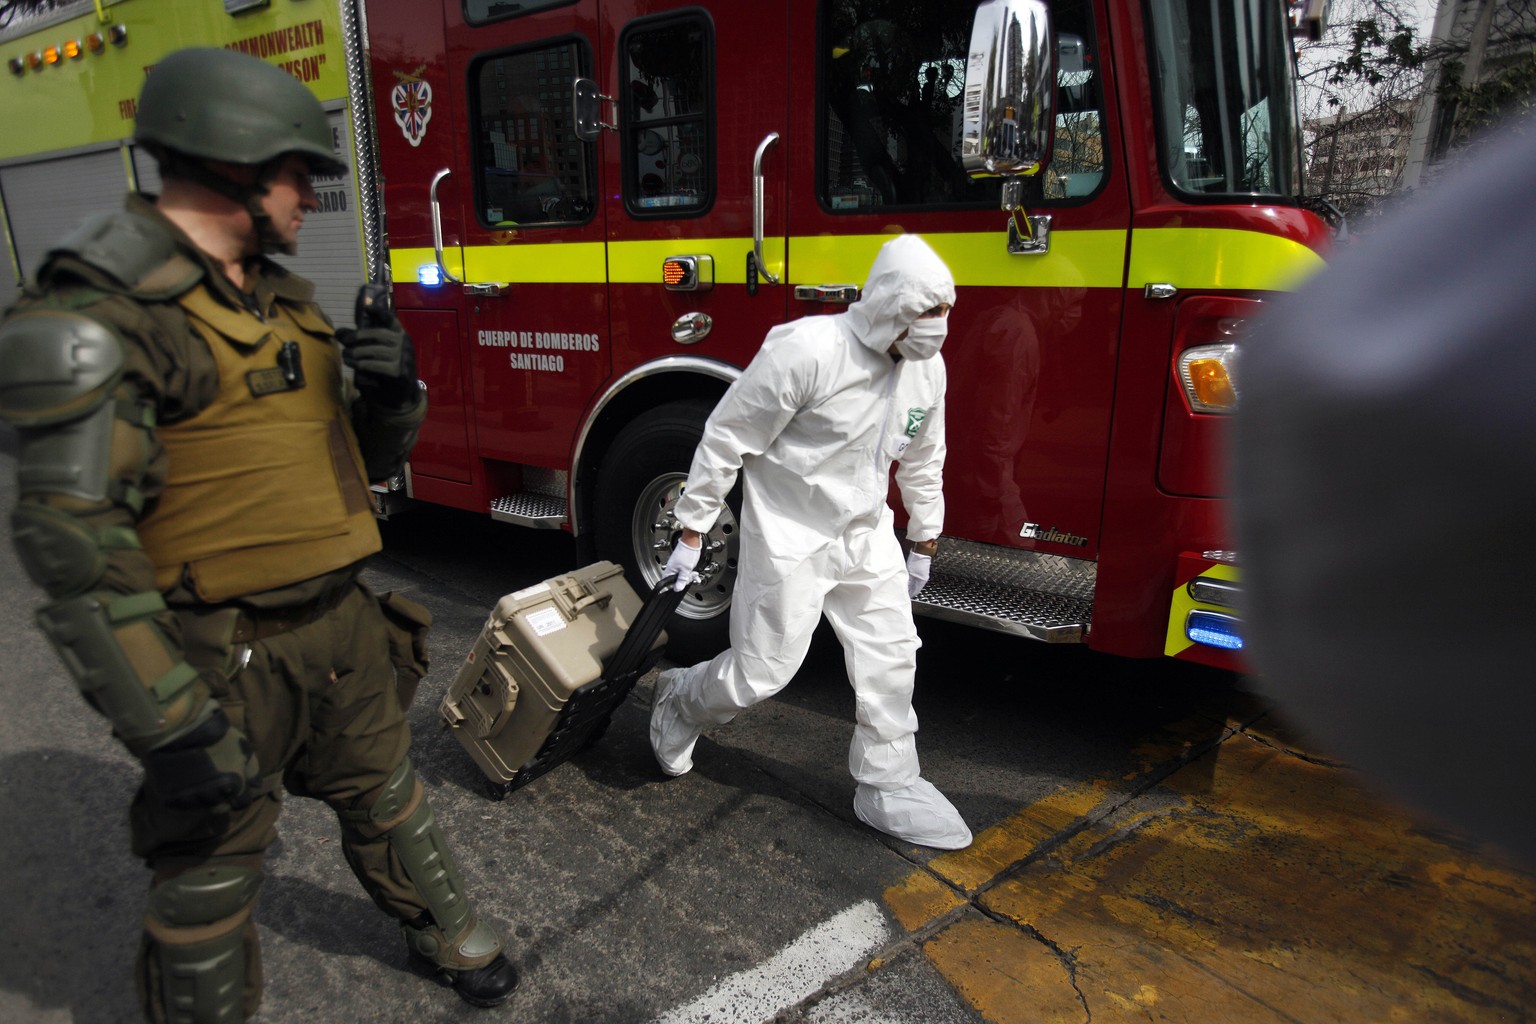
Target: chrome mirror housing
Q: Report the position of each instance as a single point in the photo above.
(1010, 80)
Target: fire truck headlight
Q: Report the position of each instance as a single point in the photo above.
(1208, 374)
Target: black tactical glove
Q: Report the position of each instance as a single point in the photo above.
(211, 767)
(383, 362)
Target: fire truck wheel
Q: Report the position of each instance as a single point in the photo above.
(638, 484)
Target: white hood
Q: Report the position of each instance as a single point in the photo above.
(907, 279)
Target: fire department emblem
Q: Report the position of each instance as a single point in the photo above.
(412, 100)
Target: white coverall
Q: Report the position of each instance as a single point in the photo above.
(813, 425)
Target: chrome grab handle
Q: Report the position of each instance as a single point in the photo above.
(827, 292)
(757, 206)
(1027, 235)
(437, 225)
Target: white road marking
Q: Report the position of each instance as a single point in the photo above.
(790, 975)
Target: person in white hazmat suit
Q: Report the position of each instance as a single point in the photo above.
(813, 425)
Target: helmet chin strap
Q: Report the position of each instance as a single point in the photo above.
(249, 196)
(266, 235)
(267, 238)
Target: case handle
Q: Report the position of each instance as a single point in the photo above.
(600, 599)
(579, 595)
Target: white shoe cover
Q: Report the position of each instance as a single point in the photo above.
(918, 813)
(672, 738)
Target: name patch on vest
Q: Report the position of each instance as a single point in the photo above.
(287, 375)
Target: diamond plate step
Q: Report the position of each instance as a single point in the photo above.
(540, 511)
(1026, 593)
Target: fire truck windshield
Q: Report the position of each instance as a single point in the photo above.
(1226, 115)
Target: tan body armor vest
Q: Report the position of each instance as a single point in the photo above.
(265, 487)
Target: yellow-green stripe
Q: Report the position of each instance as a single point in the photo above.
(1189, 258)
(1193, 258)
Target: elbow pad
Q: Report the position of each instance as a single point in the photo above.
(58, 372)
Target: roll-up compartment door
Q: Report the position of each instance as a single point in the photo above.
(10, 275)
(46, 199)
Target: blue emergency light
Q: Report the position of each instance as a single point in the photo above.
(1214, 630)
(429, 274)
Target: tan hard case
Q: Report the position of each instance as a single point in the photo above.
(538, 647)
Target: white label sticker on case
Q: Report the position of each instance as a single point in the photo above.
(546, 621)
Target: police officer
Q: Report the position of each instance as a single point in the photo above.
(193, 497)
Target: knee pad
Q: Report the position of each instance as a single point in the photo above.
(199, 956)
(398, 813)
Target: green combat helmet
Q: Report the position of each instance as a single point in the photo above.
(224, 105)
(206, 104)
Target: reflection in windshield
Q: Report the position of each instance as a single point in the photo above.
(893, 78)
(1226, 120)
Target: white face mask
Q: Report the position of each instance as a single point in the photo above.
(924, 338)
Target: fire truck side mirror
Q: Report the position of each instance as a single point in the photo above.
(587, 110)
(1010, 90)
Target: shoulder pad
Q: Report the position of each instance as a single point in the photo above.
(55, 366)
(135, 252)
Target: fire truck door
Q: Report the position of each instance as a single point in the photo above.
(1032, 339)
(534, 267)
(696, 267)
(416, 109)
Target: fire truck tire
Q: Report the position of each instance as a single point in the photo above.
(638, 483)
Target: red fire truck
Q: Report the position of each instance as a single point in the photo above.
(593, 210)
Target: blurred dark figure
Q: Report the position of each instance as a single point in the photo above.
(1386, 498)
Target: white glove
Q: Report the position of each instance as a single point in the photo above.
(917, 573)
(684, 558)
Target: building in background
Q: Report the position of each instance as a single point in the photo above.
(1357, 157)
(1482, 68)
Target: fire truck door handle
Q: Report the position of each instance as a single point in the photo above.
(840, 293)
(757, 206)
(437, 225)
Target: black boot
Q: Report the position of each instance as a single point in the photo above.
(487, 986)
(490, 984)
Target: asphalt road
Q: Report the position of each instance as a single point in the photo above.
(747, 890)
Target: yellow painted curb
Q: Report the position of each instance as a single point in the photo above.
(1004, 974)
